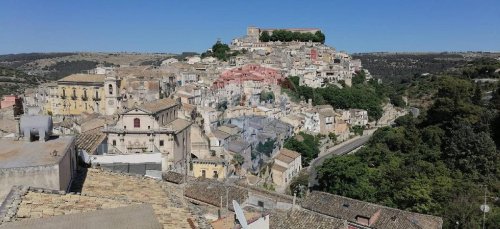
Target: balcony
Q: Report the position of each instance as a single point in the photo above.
(85, 98)
(96, 98)
(63, 96)
(73, 97)
(137, 145)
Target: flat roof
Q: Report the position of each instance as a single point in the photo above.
(17, 154)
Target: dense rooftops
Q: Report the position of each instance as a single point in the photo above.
(367, 214)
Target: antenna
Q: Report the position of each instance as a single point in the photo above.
(239, 215)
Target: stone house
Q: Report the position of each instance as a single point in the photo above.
(287, 164)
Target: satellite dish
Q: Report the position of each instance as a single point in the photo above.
(239, 215)
(485, 208)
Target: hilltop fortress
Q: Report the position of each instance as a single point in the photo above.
(254, 32)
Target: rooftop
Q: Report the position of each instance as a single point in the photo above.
(142, 214)
(349, 209)
(85, 78)
(90, 140)
(158, 105)
(304, 219)
(210, 192)
(289, 153)
(104, 190)
(178, 125)
(16, 154)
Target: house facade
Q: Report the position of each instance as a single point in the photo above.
(152, 128)
(287, 164)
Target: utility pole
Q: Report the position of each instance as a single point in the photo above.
(484, 208)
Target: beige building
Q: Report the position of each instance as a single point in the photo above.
(78, 93)
(153, 128)
(214, 168)
(326, 118)
(287, 164)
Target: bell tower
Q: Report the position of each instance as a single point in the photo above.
(111, 85)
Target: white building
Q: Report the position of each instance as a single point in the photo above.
(152, 128)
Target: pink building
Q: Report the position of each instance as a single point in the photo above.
(249, 72)
(9, 101)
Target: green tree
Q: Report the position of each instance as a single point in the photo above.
(264, 37)
(470, 152)
(478, 96)
(238, 160)
(305, 144)
(346, 176)
(332, 136)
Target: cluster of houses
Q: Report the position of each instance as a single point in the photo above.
(175, 116)
(196, 118)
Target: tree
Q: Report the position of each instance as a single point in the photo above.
(495, 100)
(305, 144)
(266, 96)
(238, 160)
(320, 37)
(346, 176)
(470, 152)
(299, 184)
(332, 136)
(266, 147)
(264, 37)
(478, 96)
(358, 130)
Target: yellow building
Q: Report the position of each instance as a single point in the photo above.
(78, 93)
(209, 168)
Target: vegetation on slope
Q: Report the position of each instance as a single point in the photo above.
(220, 51)
(369, 96)
(434, 164)
(305, 144)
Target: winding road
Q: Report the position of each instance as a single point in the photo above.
(340, 149)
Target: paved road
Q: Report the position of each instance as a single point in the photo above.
(341, 150)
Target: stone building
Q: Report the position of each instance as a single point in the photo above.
(152, 128)
(78, 93)
(214, 168)
(287, 164)
(49, 164)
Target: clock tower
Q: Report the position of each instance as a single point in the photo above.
(111, 84)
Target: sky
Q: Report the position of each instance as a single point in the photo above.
(175, 26)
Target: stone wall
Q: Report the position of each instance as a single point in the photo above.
(37, 176)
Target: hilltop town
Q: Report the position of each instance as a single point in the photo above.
(172, 142)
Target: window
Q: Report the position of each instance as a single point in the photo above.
(110, 87)
(161, 143)
(203, 173)
(216, 175)
(85, 93)
(114, 142)
(260, 203)
(64, 92)
(74, 92)
(137, 123)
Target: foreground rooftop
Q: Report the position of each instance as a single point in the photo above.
(20, 153)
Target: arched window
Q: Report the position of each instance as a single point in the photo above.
(137, 123)
(110, 89)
